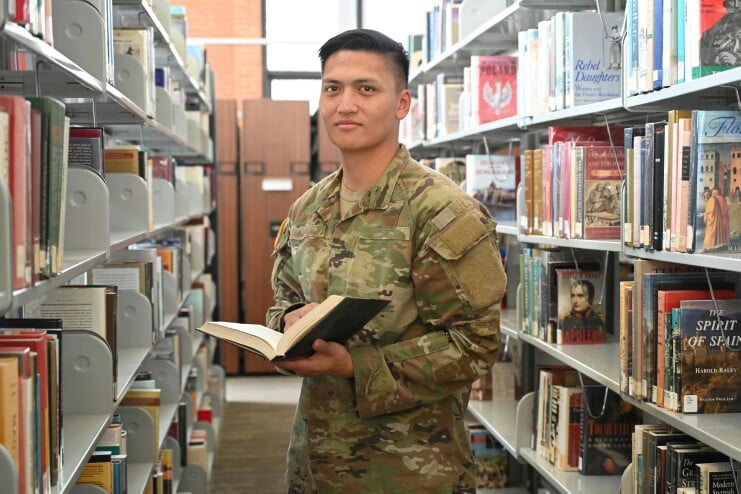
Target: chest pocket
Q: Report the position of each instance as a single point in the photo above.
(382, 257)
(300, 234)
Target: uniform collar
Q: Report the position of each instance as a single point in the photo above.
(377, 197)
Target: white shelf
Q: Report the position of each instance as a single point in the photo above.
(599, 361)
(705, 91)
(498, 34)
(728, 262)
(507, 228)
(499, 418)
(603, 245)
(571, 482)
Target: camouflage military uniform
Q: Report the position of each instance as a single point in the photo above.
(420, 242)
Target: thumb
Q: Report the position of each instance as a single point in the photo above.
(319, 345)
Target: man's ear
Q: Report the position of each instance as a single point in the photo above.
(405, 102)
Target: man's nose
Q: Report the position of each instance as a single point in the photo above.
(347, 102)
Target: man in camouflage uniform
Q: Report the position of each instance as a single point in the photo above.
(385, 414)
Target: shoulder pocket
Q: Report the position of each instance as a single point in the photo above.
(468, 245)
(460, 235)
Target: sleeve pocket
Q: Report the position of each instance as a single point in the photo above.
(473, 261)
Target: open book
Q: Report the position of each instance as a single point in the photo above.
(336, 319)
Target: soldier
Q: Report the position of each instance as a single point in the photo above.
(385, 413)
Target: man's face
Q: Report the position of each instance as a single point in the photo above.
(579, 300)
(361, 103)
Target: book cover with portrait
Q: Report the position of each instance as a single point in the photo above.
(581, 306)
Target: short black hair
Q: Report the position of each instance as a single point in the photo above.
(373, 41)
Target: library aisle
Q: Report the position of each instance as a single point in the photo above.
(251, 452)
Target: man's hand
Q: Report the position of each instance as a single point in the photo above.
(330, 359)
(291, 317)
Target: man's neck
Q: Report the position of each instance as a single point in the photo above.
(362, 169)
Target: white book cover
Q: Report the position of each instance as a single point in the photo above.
(593, 57)
(491, 179)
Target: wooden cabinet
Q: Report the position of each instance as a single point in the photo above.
(274, 172)
(227, 223)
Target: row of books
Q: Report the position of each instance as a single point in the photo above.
(40, 146)
(565, 297)
(669, 42)
(573, 184)
(30, 379)
(682, 182)
(484, 91)
(107, 466)
(569, 60)
(30, 401)
(679, 331)
(667, 460)
(582, 427)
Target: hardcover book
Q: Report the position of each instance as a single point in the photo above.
(715, 171)
(581, 306)
(598, 193)
(493, 88)
(607, 423)
(86, 148)
(336, 319)
(19, 179)
(492, 180)
(592, 57)
(715, 478)
(710, 365)
(720, 28)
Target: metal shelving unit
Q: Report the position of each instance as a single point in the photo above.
(597, 362)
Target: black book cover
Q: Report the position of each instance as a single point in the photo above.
(606, 426)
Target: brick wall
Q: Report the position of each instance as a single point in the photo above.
(237, 68)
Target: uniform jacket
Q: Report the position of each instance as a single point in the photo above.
(419, 241)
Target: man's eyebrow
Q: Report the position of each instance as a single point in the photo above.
(364, 80)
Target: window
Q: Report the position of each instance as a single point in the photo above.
(296, 29)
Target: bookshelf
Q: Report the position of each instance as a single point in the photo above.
(105, 216)
(598, 362)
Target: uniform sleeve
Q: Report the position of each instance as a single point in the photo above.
(459, 281)
(286, 288)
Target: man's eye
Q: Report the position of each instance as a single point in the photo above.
(367, 89)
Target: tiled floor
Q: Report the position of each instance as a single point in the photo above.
(263, 389)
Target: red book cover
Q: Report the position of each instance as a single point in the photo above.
(574, 412)
(37, 342)
(719, 30)
(18, 111)
(497, 87)
(205, 415)
(586, 133)
(22, 11)
(163, 167)
(602, 169)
